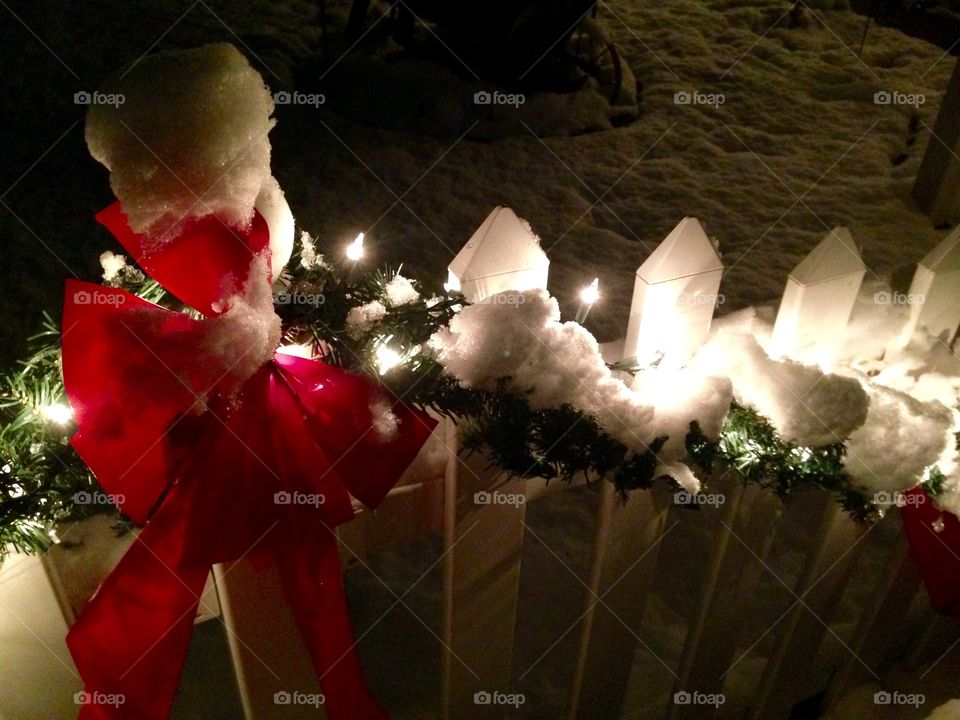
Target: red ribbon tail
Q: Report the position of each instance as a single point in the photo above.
(130, 642)
(313, 582)
(937, 553)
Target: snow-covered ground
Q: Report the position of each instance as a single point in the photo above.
(797, 146)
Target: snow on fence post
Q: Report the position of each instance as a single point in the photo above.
(935, 291)
(818, 299)
(674, 296)
(481, 578)
(937, 188)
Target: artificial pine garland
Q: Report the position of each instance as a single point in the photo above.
(41, 476)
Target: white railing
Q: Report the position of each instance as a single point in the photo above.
(762, 666)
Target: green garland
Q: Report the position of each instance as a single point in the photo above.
(41, 475)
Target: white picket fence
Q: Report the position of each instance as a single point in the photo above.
(814, 646)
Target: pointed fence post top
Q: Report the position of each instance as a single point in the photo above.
(945, 257)
(685, 251)
(833, 257)
(502, 254)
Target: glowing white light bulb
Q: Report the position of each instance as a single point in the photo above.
(58, 413)
(355, 249)
(297, 350)
(387, 357)
(591, 293)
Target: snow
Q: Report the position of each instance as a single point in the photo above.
(400, 291)
(899, 440)
(362, 317)
(112, 265)
(518, 336)
(804, 404)
(215, 156)
(245, 336)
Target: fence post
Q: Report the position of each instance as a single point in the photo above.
(674, 295)
(825, 574)
(935, 291)
(874, 640)
(937, 188)
(624, 560)
(818, 299)
(483, 541)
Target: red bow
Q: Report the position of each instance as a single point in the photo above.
(214, 476)
(934, 538)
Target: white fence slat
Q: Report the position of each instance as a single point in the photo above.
(483, 554)
(875, 634)
(267, 651)
(674, 295)
(39, 678)
(788, 675)
(624, 562)
(937, 188)
(712, 635)
(818, 299)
